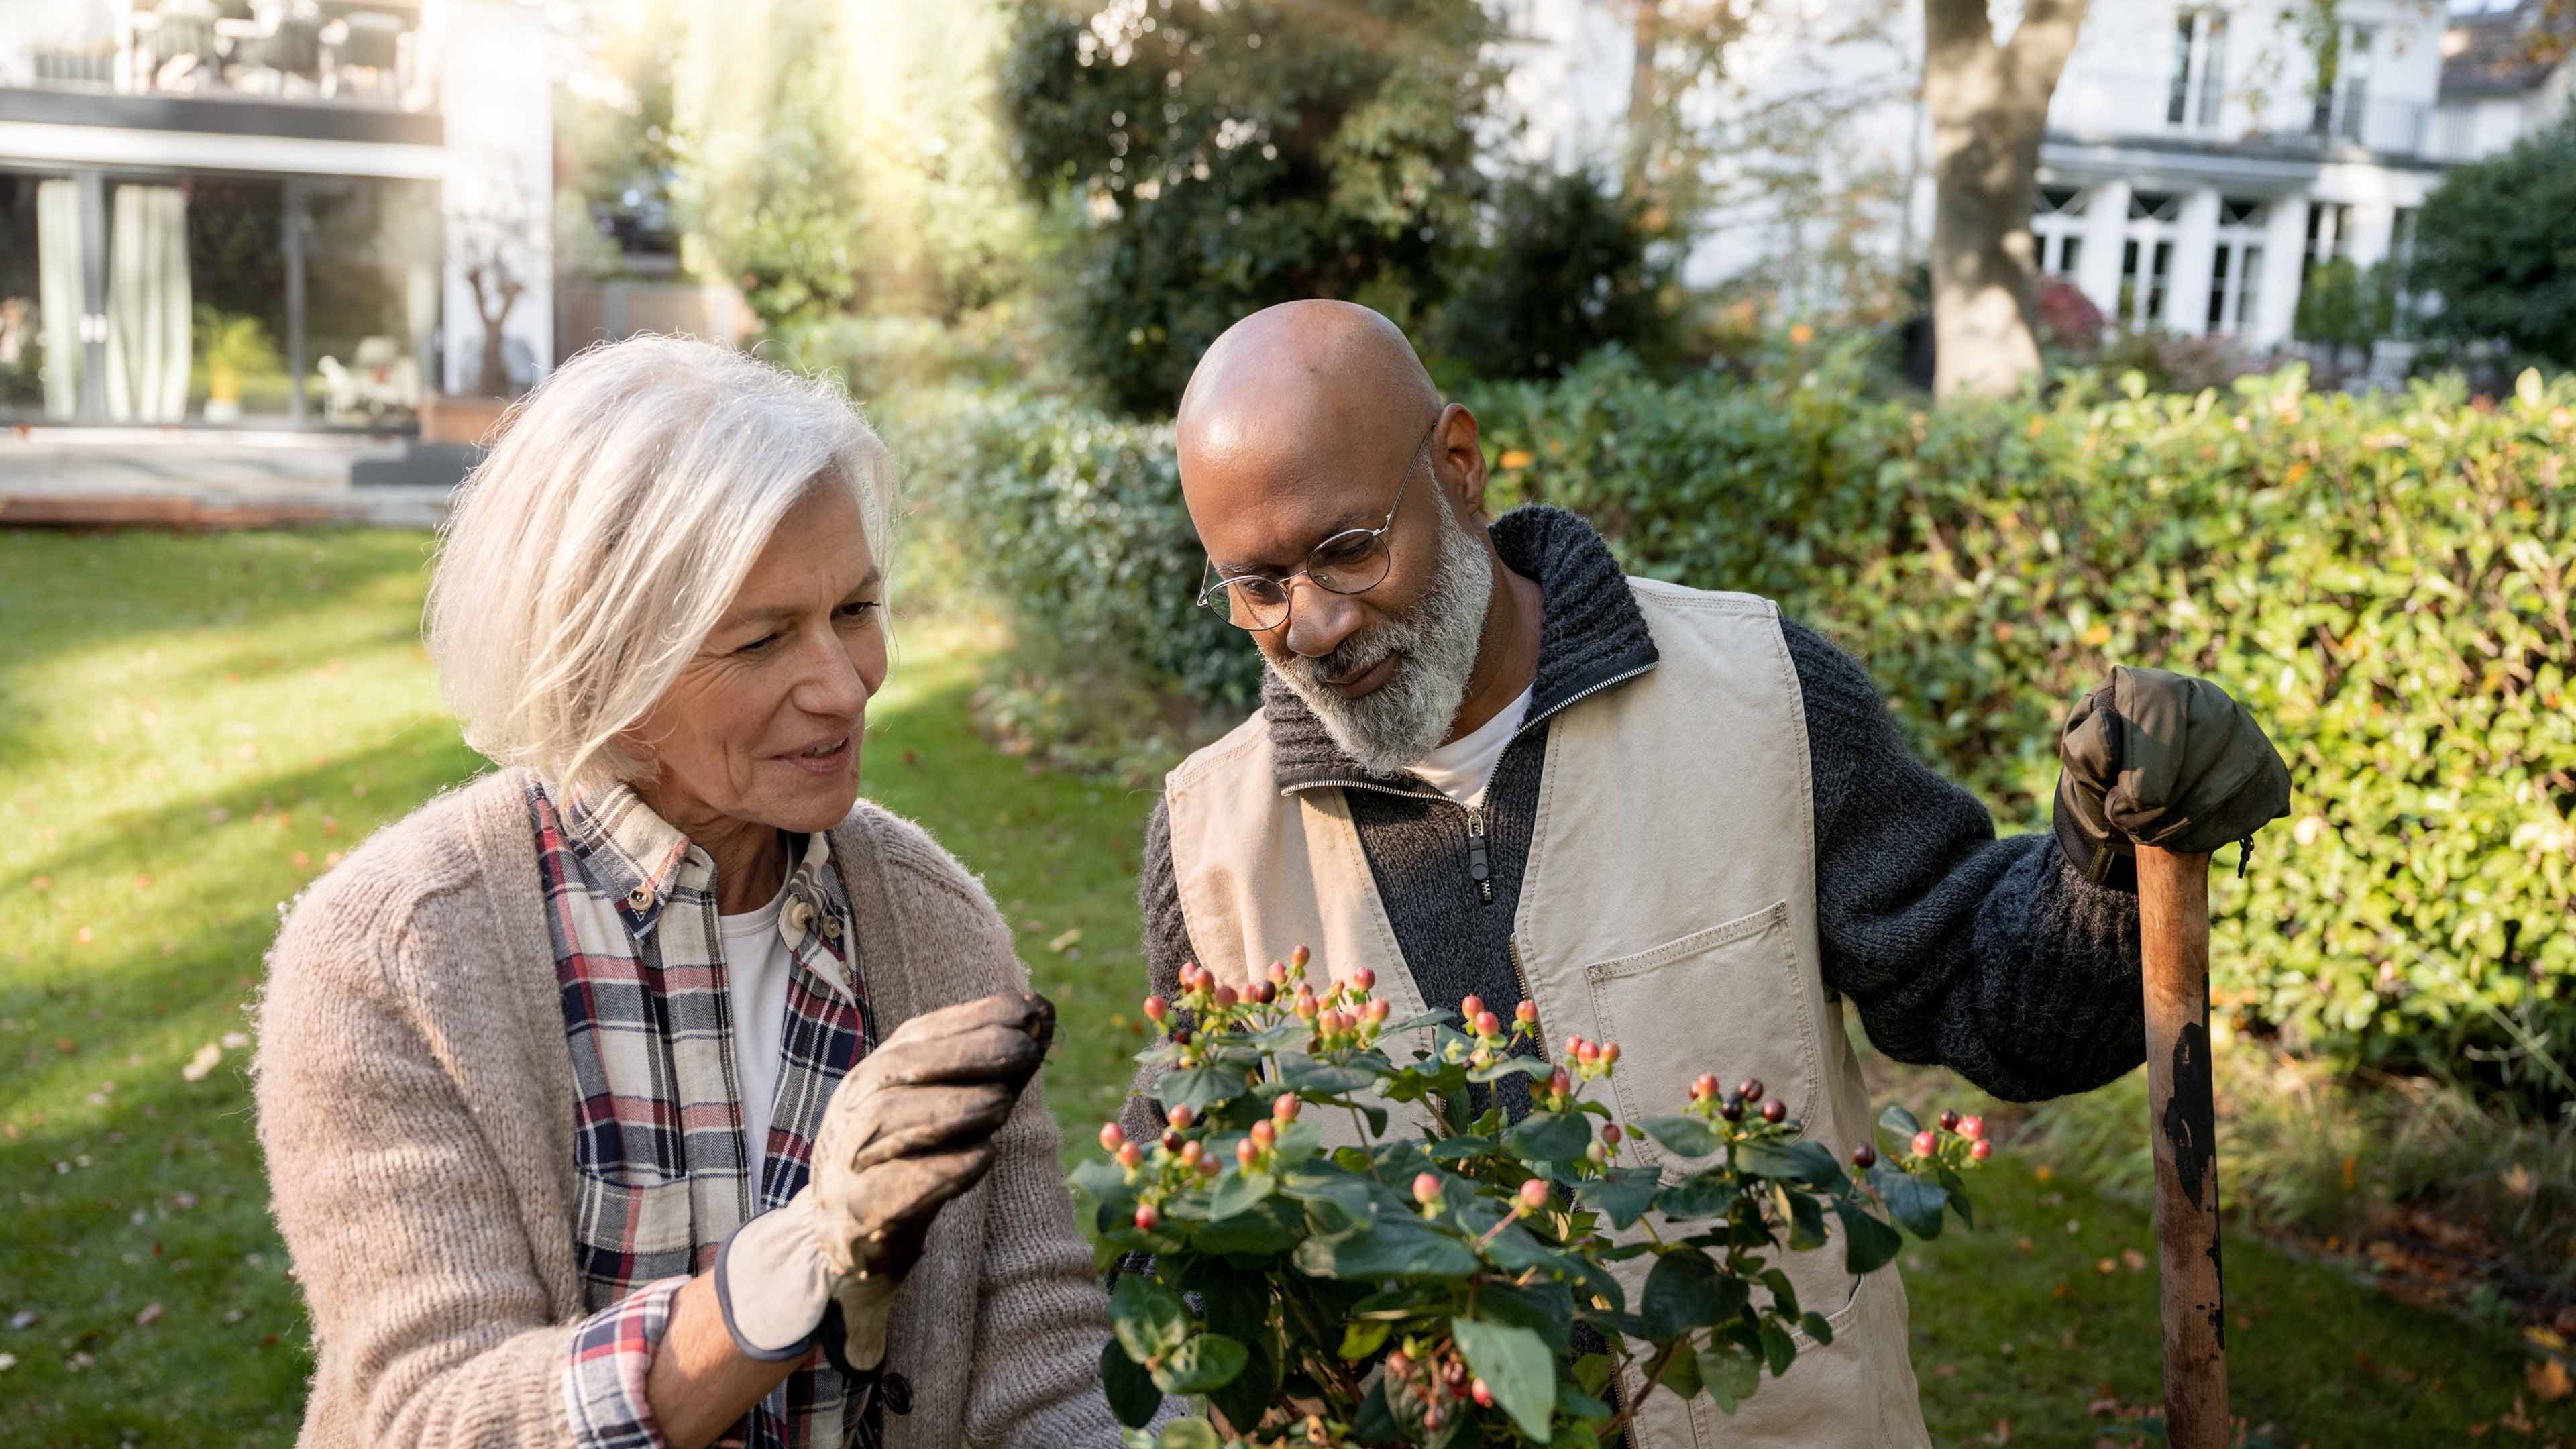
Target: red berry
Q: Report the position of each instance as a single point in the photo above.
(1526, 1012)
(1751, 1091)
(1147, 1218)
(1432, 1418)
(1774, 1110)
(1227, 996)
(1972, 1128)
(1590, 1054)
(1378, 1010)
(1488, 1024)
(1156, 1008)
(1246, 1153)
(1534, 1193)
(1981, 1150)
(1278, 971)
(1864, 1156)
(1130, 1155)
(1398, 1364)
(1559, 1083)
(1171, 1140)
(1299, 957)
(1472, 1007)
(1925, 1144)
(1949, 1121)
(1265, 992)
(1610, 1133)
(1180, 1117)
(1208, 1166)
(1284, 1107)
(1181, 1036)
(1703, 1087)
(1732, 1109)
(1112, 1136)
(1481, 1393)
(1191, 1152)
(1609, 1054)
(1265, 1134)
(1305, 1005)
(1426, 1188)
(1454, 1374)
(1364, 979)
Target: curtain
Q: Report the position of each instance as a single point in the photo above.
(58, 291)
(147, 306)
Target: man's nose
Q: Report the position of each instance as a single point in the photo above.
(1319, 619)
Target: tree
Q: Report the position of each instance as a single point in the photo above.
(2496, 241)
(1567, 267)
(1988, 103)
(1218, 156)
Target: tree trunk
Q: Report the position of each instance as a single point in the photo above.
(1988, 105)
(1644, 131)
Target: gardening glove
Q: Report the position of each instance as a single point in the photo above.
(909, 1128)
(2162, 759)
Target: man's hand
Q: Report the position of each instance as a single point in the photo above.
(908, 1130)
(2162, 759)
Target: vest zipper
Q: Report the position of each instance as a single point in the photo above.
(1480, 869)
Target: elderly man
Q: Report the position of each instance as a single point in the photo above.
(1661, 816)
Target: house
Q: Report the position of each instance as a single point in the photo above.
(2506, 73)
(2194, 165)
(269, 216)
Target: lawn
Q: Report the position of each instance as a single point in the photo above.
(192, 728)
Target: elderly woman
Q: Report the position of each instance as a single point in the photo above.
(655, 1089)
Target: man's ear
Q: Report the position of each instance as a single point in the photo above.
(1458, 445)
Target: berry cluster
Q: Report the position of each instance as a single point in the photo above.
(1965, 1138)
(1344, 1014)
(1430, 1380)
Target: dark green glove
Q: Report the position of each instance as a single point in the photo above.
(2163, 759)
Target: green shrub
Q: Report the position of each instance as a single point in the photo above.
(2385, 580)
(1567, 268)
(2493, 242)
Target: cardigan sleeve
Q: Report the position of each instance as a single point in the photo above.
(429, 1317)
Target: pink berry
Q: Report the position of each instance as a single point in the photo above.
(1306, 1006)
(1972, 1128)
(1278, 971)
(1559, 1083)
(1981, 1150)
(1364, 979)
(1590, 1054)
(1191, 1152)
(1147, 1218)
(1246, 1153)
(1378, 1010)
(1609, 1054)
(1610, 1133)
(1299, 957)
(1481, 1393)
(1472, 1007)
(1112, 1136)
(1703, 1087)
(1264, 1134)
(1208, 1166)
(1129, 1155)
(1864, 1157)
(1925, 1144)
(1949, 1121)
(1488, 1024)
(1398, 1364)
(1156, 1008)
(1432, 1418)
(1181, 1117)
(1526, 1013)
(1227, 996)
(1751, 1091)
(1574, 1046)
(1285, 1106)
(1534, 1193)
(1774, 1110)
(1426, 1188)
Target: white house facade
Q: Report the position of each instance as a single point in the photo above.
(264, 214)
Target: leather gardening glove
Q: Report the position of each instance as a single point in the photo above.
(2163, 759)
(909, 1128)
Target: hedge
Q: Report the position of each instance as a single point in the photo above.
(2384, 580)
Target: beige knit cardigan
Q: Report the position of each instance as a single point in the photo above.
(415, 1099)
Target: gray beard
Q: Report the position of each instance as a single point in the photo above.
(1392, 727)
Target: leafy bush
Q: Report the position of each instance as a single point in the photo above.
(1229, 156)
(2346, 305)
(2493, 242)
(2386, 581)
(2069, 323)
(1333, 1305)
(1566, 269)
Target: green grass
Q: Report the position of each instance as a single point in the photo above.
(191, 727)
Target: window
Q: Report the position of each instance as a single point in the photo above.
(2057, 229)
(2329, 231)
(2342, 106)
(2199, 68)
(2146, 258)
(2236, 268)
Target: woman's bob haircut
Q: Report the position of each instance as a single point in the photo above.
(590, 554)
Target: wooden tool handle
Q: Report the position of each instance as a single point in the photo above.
(2173, 927)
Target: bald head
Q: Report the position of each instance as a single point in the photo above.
(1297, 387)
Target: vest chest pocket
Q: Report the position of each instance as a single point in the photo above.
(628, 1234)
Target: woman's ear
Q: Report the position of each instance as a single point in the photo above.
(1460, 446)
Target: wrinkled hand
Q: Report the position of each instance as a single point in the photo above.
(908, 1130)
(2163, 759)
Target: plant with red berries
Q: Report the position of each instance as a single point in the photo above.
(1422, 1286)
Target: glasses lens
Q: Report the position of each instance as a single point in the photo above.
(1250, 603)
(1349, 562)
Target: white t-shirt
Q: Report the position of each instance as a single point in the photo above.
(756, 970)
(1462, 768)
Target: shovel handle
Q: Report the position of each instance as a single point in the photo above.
(2173, 929)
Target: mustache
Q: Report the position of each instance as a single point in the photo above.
(1353, 656)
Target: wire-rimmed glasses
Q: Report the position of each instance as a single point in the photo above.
(1352, 561)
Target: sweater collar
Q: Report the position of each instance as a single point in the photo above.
(634, 857)
(1591, 636)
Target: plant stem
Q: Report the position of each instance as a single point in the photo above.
(1654, 1373)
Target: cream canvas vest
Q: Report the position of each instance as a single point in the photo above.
(1668, 904)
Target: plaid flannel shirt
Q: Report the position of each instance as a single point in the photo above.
(663, 1177)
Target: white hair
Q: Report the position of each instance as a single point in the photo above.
(590, 554)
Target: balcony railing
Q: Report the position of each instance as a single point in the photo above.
(2093, 101)
(360, 53)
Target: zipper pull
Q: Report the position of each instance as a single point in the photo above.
(1480, 869)
(2244, 855)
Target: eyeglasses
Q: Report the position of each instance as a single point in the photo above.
(1352, 561)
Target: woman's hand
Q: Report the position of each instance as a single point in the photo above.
(908, 1130)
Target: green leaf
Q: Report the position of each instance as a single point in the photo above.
(1239, 1192)
(1868, 1244)
(1897, 1120)
(1516, 1365)
(1574, 1403)
(1910, 1200)
(1299, 1141)
(1807, 1162)
(1455, 1149)
(1622, 1194)
(1364, 1336)
(1550, 1136)
(1191, 1433)
(1544, 1307)
(1701, 1195)
(1783, 1297)
(1375, 1422)
(1731, 1376)
(1778, 1349)
(1816, 1327)
(1098, 1176)
(1150, 1322)
(1681, 1375)
(1321, 1078)
(1207, 1361)
(1376, 1119)
(1269, 1227)
(1684, 1290)
(1958, 1195)
(1345, 1194)
(1682, 1136)
(1133, 1399)
(1495, 1071)
(1394, 1245)
(1198, 1088)
(1436, 1016)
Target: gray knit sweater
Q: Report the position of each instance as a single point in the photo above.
(1987, 956)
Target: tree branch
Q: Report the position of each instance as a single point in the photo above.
(2040, 46)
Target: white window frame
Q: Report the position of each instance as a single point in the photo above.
(2199, 80)
(2236, 267)
(2147, 247)
(2057, 229)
